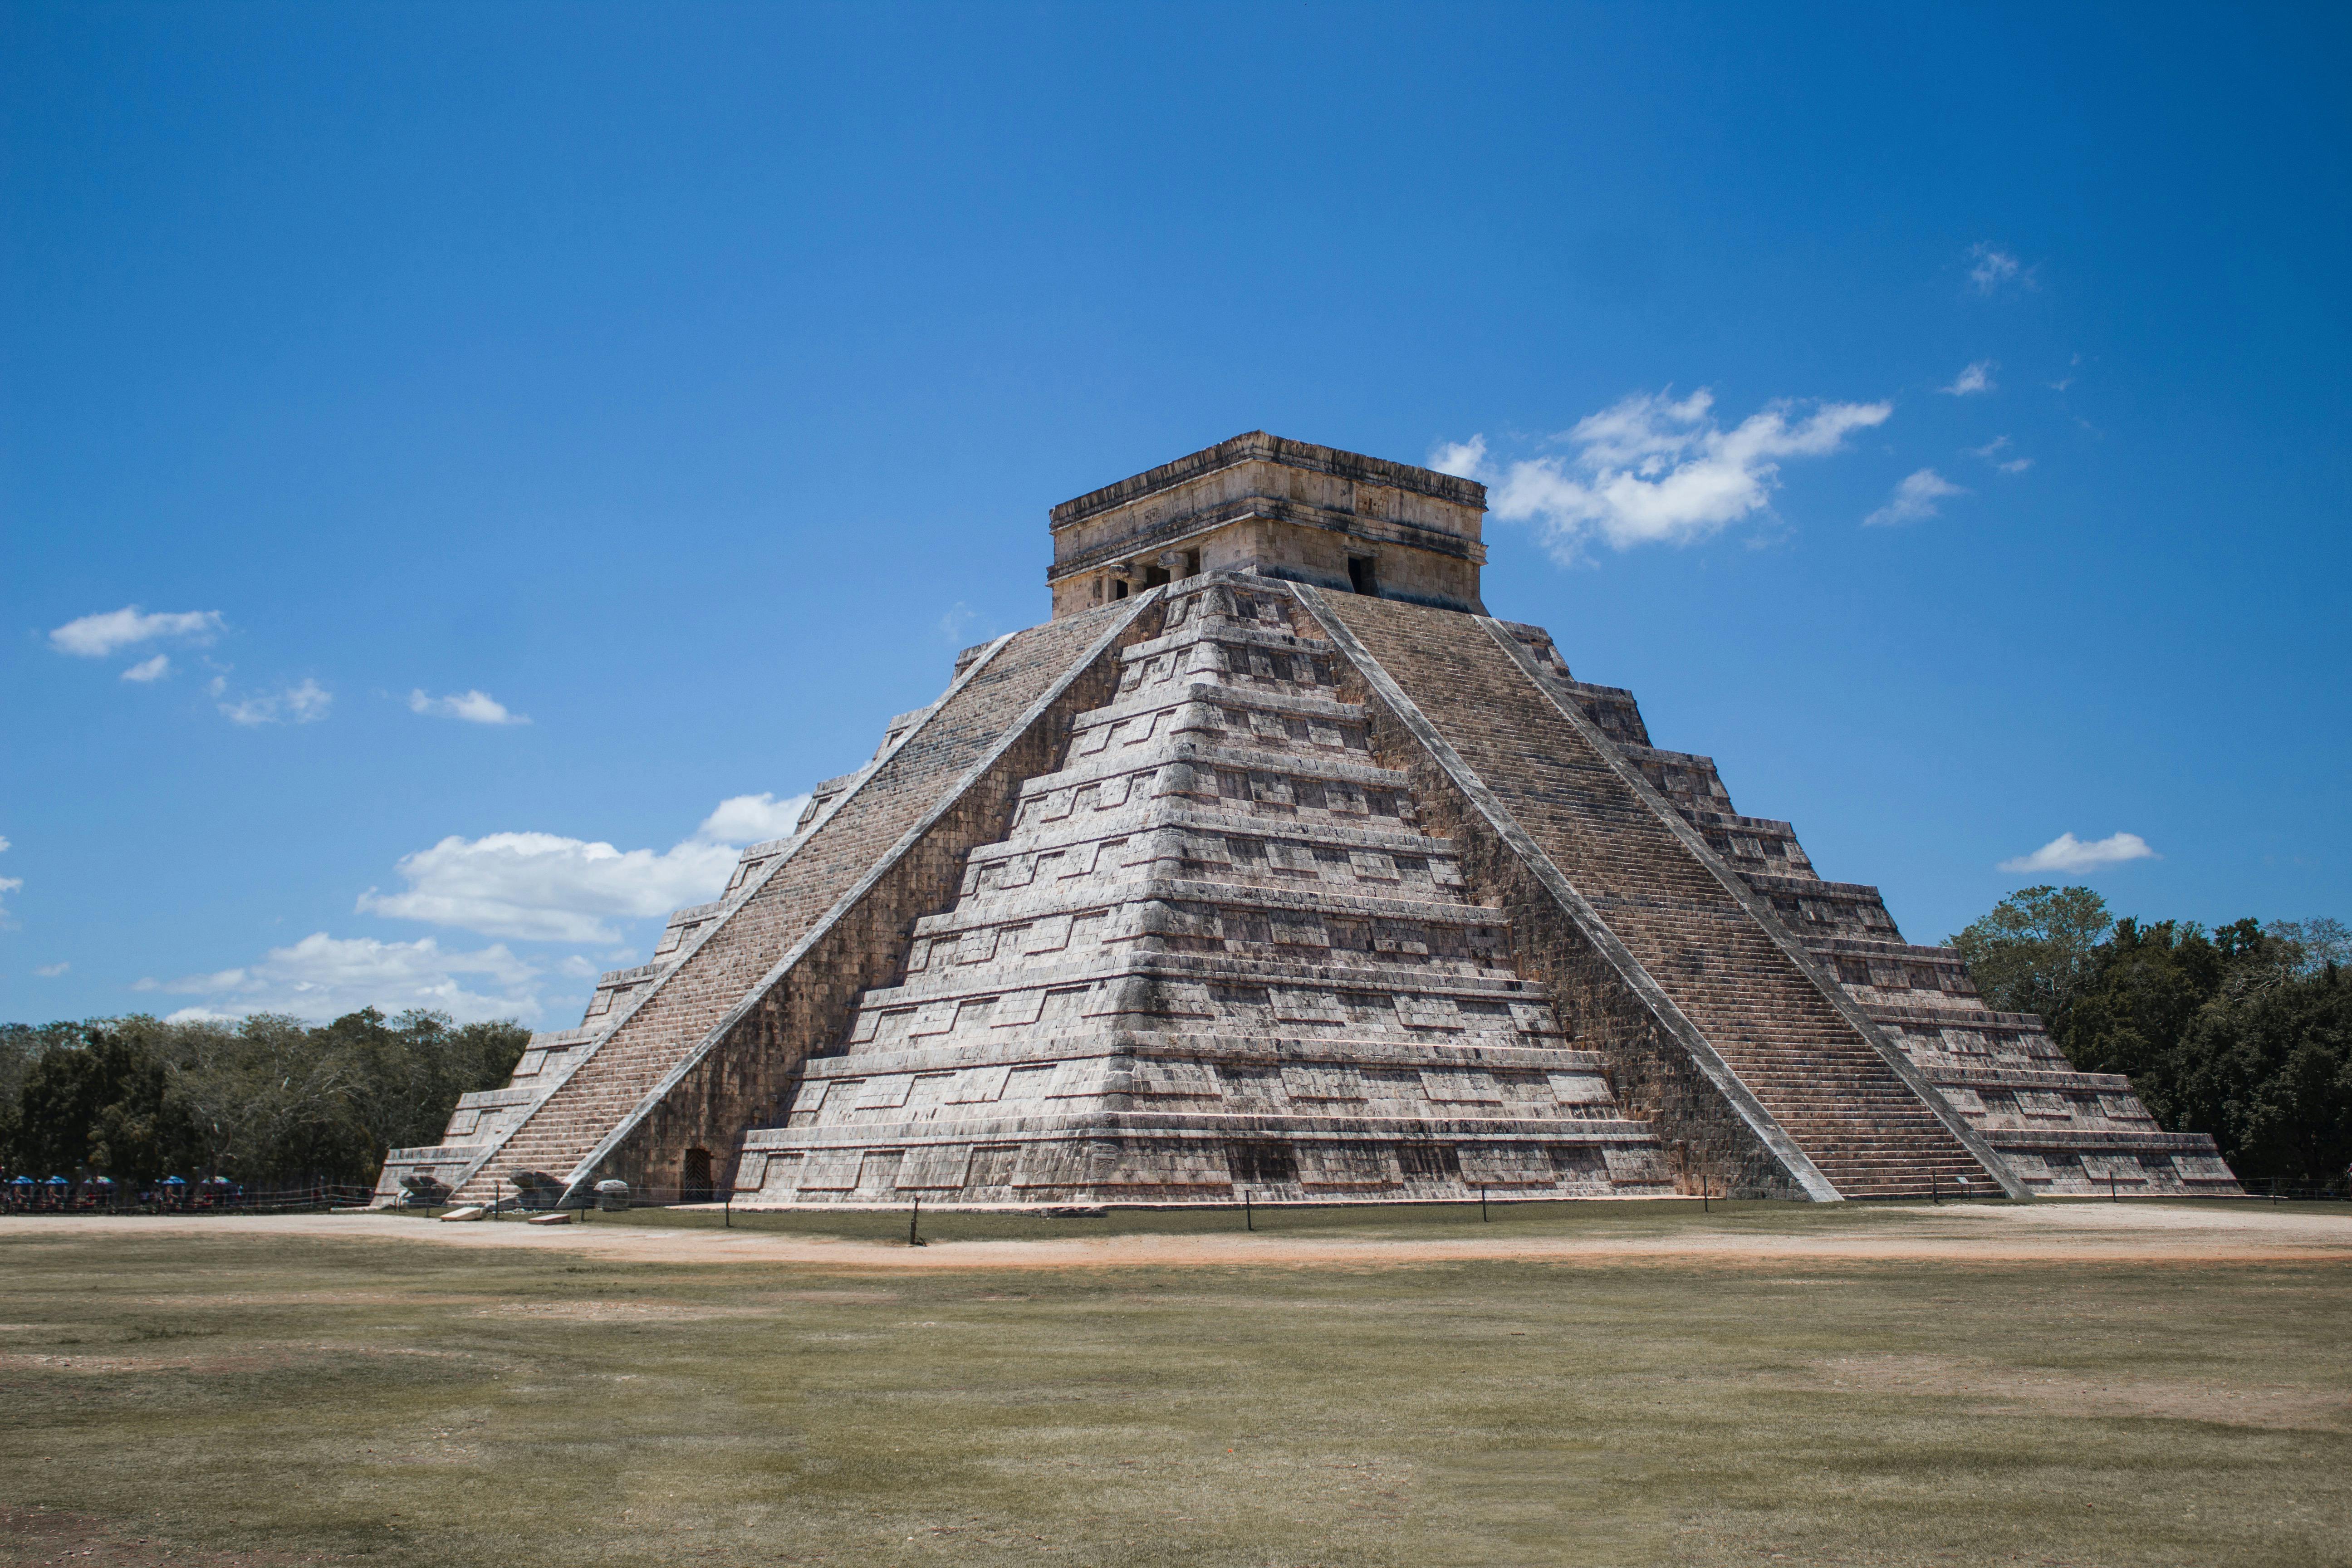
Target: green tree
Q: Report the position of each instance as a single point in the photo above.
(103, 1104)
(407, 1073)
(2243, 1032)
(268, 1101)
(2268, 1072)
(2036, 948)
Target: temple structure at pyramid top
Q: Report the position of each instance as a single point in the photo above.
(1283, 510)
(1271, 865)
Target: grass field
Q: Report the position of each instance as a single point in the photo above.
(250, 1397)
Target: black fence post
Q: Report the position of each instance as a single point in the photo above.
(1249, 1218)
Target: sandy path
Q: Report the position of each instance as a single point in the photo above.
(1956, 1233)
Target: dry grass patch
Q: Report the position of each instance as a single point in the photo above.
(409, 1403)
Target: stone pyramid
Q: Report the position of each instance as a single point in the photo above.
(1216, 948)
(1271, 865)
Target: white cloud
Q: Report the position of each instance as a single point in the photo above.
(324, 977)
(957, 622)
(301, 704)
(51, 971)
(1651, 470)
(148, 670)
(1914, 499)
(95, 636)
(543, 888)
(752, 818)
(1975, 378)
(473, 706)
(540, 887)
(2067, 853)
(1462, 459)
(8, 886)
(1990, 267)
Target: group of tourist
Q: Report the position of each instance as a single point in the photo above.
(26, 1194)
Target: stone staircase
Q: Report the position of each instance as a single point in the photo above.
(785, 890)
(2057, 1129)
(1833, 1090)
(1213, 955)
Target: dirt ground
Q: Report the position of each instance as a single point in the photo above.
(1954, 1233)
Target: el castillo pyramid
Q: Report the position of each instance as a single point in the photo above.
(1271, 865)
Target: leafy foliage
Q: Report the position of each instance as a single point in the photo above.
(266, 1100)
(2036, 948)
(2244, 1032)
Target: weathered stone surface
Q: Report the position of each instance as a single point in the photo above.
(1279, 508)
(779, 956)
(1215, 952)
(1271, 865)
(1695, 952)
(2058, 1130)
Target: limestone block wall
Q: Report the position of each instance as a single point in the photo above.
(716, 976)
(2062, 1132)
(1213, 952)
(1652, 1076)
(1287, 509)
(742, 1076)
(1741, 994)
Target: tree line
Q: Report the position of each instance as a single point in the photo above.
(265, 1102)
(2244, 1031)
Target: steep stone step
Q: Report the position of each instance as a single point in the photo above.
(1766, 1019)
(730, 956)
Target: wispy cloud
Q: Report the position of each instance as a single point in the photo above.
(51, 971)
(148, 669)
(96, 637)
(2068, 854)
(472, 707)
(1975, 379)
(303, 704)
(1914, 499)
(8, 886)
(1991, 267)
(1990, 452)
(543, 887)
(1652, 470)
(957, 622)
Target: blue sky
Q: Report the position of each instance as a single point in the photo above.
(692, 382)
